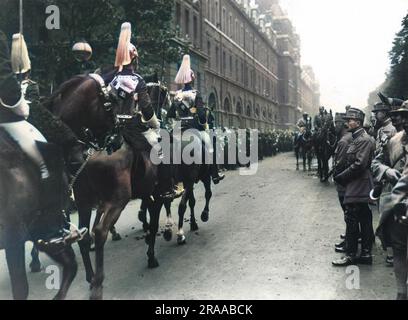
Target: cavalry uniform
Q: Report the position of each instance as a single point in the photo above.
(188, 107)
(357, 180)
(13, 121)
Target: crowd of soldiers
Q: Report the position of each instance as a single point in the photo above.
(370, 172)
(270, 143)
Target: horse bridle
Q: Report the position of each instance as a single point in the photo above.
(90, 140)
(161, 87)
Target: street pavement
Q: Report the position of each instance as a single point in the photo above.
(270, 236)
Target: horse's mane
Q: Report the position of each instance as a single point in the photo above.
(65, 87)
(11, 155)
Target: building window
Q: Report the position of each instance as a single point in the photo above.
(224, 62)
(209, 53)
(242, 72)
(195, 29)
(178, 14)
(230, 26)
(224, 20)
(236, 69)
(248, 111)
(236, 30)
(217, 20)
(231, 66)
(187, 22)
(217, 58)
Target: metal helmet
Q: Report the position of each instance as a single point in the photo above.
(355, 114)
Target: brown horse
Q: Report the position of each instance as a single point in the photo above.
(108, 182)
(21, 216)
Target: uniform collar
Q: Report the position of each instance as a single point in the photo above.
(358, 133)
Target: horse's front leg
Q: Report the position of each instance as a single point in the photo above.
(85, 212)
(154, 212)
(142, 215)
(35, 264)
(66, 258)
(168, 232)
(181, 238)
(101, 231)
(191, 204)
(15, 256)
(208, 194)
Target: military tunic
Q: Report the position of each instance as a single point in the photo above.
(384, 134)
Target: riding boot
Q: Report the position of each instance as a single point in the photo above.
(166, 181)
(216, 176)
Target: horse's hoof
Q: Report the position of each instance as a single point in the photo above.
(96, 294)
(35, 267)
(181, 239)
(168, 234)
(116, 237)
(205, 216)
(193, 226)
(152, 263)
(58, 297)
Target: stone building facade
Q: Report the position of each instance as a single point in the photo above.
(246, 57)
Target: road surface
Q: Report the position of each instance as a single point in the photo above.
(270, 236)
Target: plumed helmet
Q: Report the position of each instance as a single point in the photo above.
(20, 61)
(126, 51)
(185, 74)
(380, 106)
(354, 114)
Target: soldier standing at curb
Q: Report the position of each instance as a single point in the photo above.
(340, 163)
(385, 132)
(357, 180)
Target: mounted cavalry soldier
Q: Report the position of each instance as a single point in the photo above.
(53, 129)
(387, 168)
(356, 178)
(141, 131)
(188, 106)
(319, 119)
(13, 119)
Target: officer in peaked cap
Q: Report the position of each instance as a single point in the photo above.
(356, 178)
(383, 122)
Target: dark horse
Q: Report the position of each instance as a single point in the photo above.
(21, 218)
(324, 141)
(160, 98)
(304, 148)
(108, 182)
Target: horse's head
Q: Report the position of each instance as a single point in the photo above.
(10, 90)
(159, 95)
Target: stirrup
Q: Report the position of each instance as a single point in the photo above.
(59, 244)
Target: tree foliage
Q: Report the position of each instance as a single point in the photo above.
(97, 22)
(398, 75)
